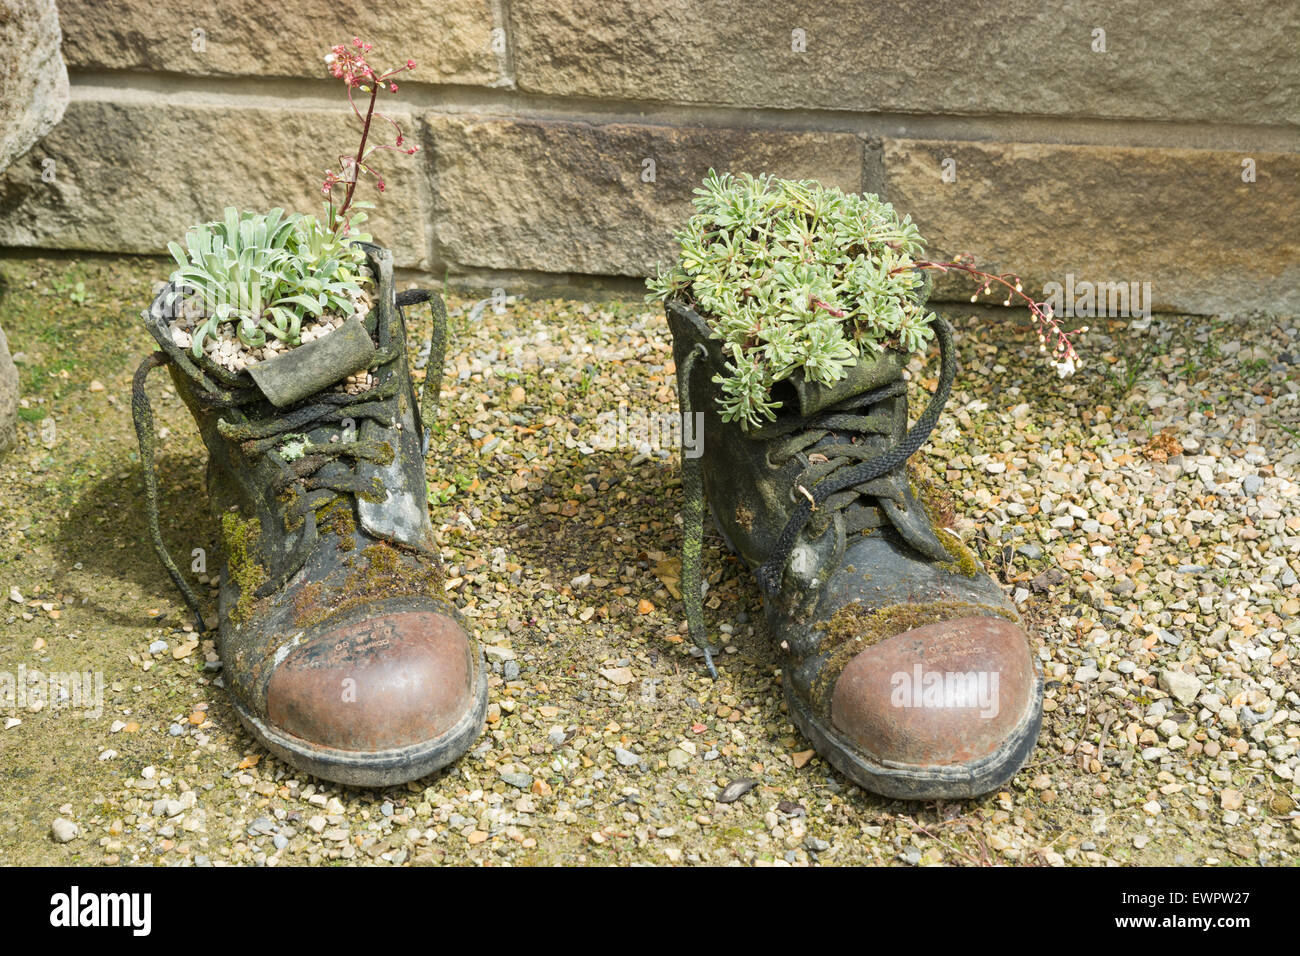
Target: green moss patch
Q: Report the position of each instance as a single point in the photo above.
(377, 572)
(240, 539)
(939, 504)
(336, 517)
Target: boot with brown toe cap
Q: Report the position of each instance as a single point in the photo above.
(903, 662)
(338, 646)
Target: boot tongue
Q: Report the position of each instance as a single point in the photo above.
(892, 491)
(313, 367)
(865, 376)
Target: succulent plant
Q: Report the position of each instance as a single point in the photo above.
(265, 273)
(795, 276)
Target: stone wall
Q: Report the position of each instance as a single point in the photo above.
(33, 96)
(1109, 142)
(33, 78)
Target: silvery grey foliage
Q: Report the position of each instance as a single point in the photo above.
(266, 272)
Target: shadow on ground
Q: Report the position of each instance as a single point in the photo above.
(105, 538)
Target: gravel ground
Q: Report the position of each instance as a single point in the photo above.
(1143, 514)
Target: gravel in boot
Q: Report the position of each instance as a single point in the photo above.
(339, 649)
(904, 663)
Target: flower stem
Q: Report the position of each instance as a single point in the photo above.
(1049, 331)
(341, 219)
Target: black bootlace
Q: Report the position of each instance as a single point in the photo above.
(257, 437)
(838, 475)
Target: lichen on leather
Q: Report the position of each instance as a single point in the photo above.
(938, 502)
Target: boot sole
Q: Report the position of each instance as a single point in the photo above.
(911, 782)
(376, 768)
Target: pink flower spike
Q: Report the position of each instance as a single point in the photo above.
(349, 63)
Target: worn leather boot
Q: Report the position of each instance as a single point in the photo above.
(902, 661)
(340, 651)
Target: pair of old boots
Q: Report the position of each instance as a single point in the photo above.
(902, 662)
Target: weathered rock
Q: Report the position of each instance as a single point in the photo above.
(33, 79)
(1183, 686)
(1180, 219)
(451, 41)
(8, 397)
(574, 197)
(130, 178)
(1194, 60)
(64, 831)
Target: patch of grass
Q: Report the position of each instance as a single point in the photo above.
(1122, 377)
(76, 292)
(1293, 432)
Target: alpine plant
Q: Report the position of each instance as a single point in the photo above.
(797, 277)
